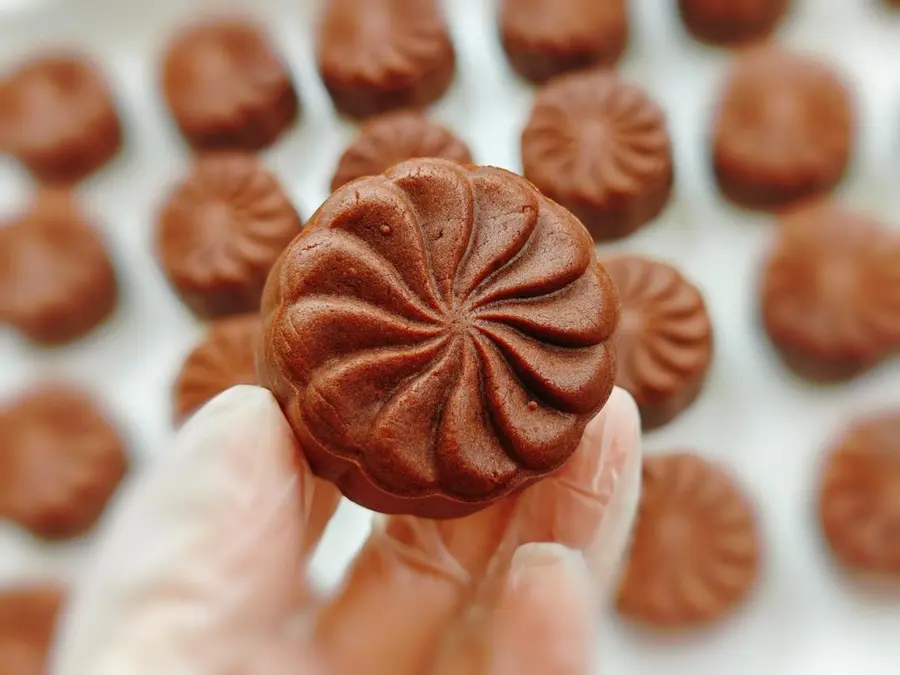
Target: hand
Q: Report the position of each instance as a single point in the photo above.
(201, 567)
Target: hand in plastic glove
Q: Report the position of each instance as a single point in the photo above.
(201, 570)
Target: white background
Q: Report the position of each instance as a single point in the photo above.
(767, 426)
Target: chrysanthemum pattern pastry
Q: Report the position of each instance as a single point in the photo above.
(381, 55)
(695, 554)
(393, 138)
(664, 342)
(831, 292)
(859, 504)
(440, 332)
(220, 232)
(599, 146)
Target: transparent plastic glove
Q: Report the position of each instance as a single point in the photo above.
(201, 569)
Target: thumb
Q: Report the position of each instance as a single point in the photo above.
(203, 556)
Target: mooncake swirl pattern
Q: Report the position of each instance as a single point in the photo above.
(859, 506)
(665, 338)
(599, 146)
(695, 552)
(831, 292)
(221, 231)
(445, 330)
(393, 138)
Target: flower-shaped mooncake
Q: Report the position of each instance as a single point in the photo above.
(439, 336)
(696, 551)
(859, 499)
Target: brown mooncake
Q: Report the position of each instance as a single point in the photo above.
(382, 55)
(783, 130)
(57, 117)
(225, 357)
(732, 22)
(61, 460)
(696, 548)
(393, 138)
(28, 618)
(830, 292)
(439, 337)
(57, 281)
(859, 496)
(545, 38)
(226, 86)
(220, 231)
(600, 147)
(664, 343)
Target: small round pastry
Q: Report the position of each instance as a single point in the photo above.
(731, 22)
(221, 230)
(393, 138)
(28, 616)
(57, 282)
(381, 55)
(664, 342)
(783, 130)
(830, 293)
(58, 118)
(695, 551)
(439, 337)
(225, 357)
(859, 497)
(227, 87)
(545, 38)
(61, 460)
(599, 146)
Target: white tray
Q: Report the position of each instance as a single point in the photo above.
(768, 427)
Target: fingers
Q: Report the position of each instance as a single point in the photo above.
(414, 579)
(590, 504)
(411, 578)
(543, 622)
(204, 553)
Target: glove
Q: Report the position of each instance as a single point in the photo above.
(202, 566)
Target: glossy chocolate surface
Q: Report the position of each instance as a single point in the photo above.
(439, 336)
(600, 147)
(221, 230)
(664, 342)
